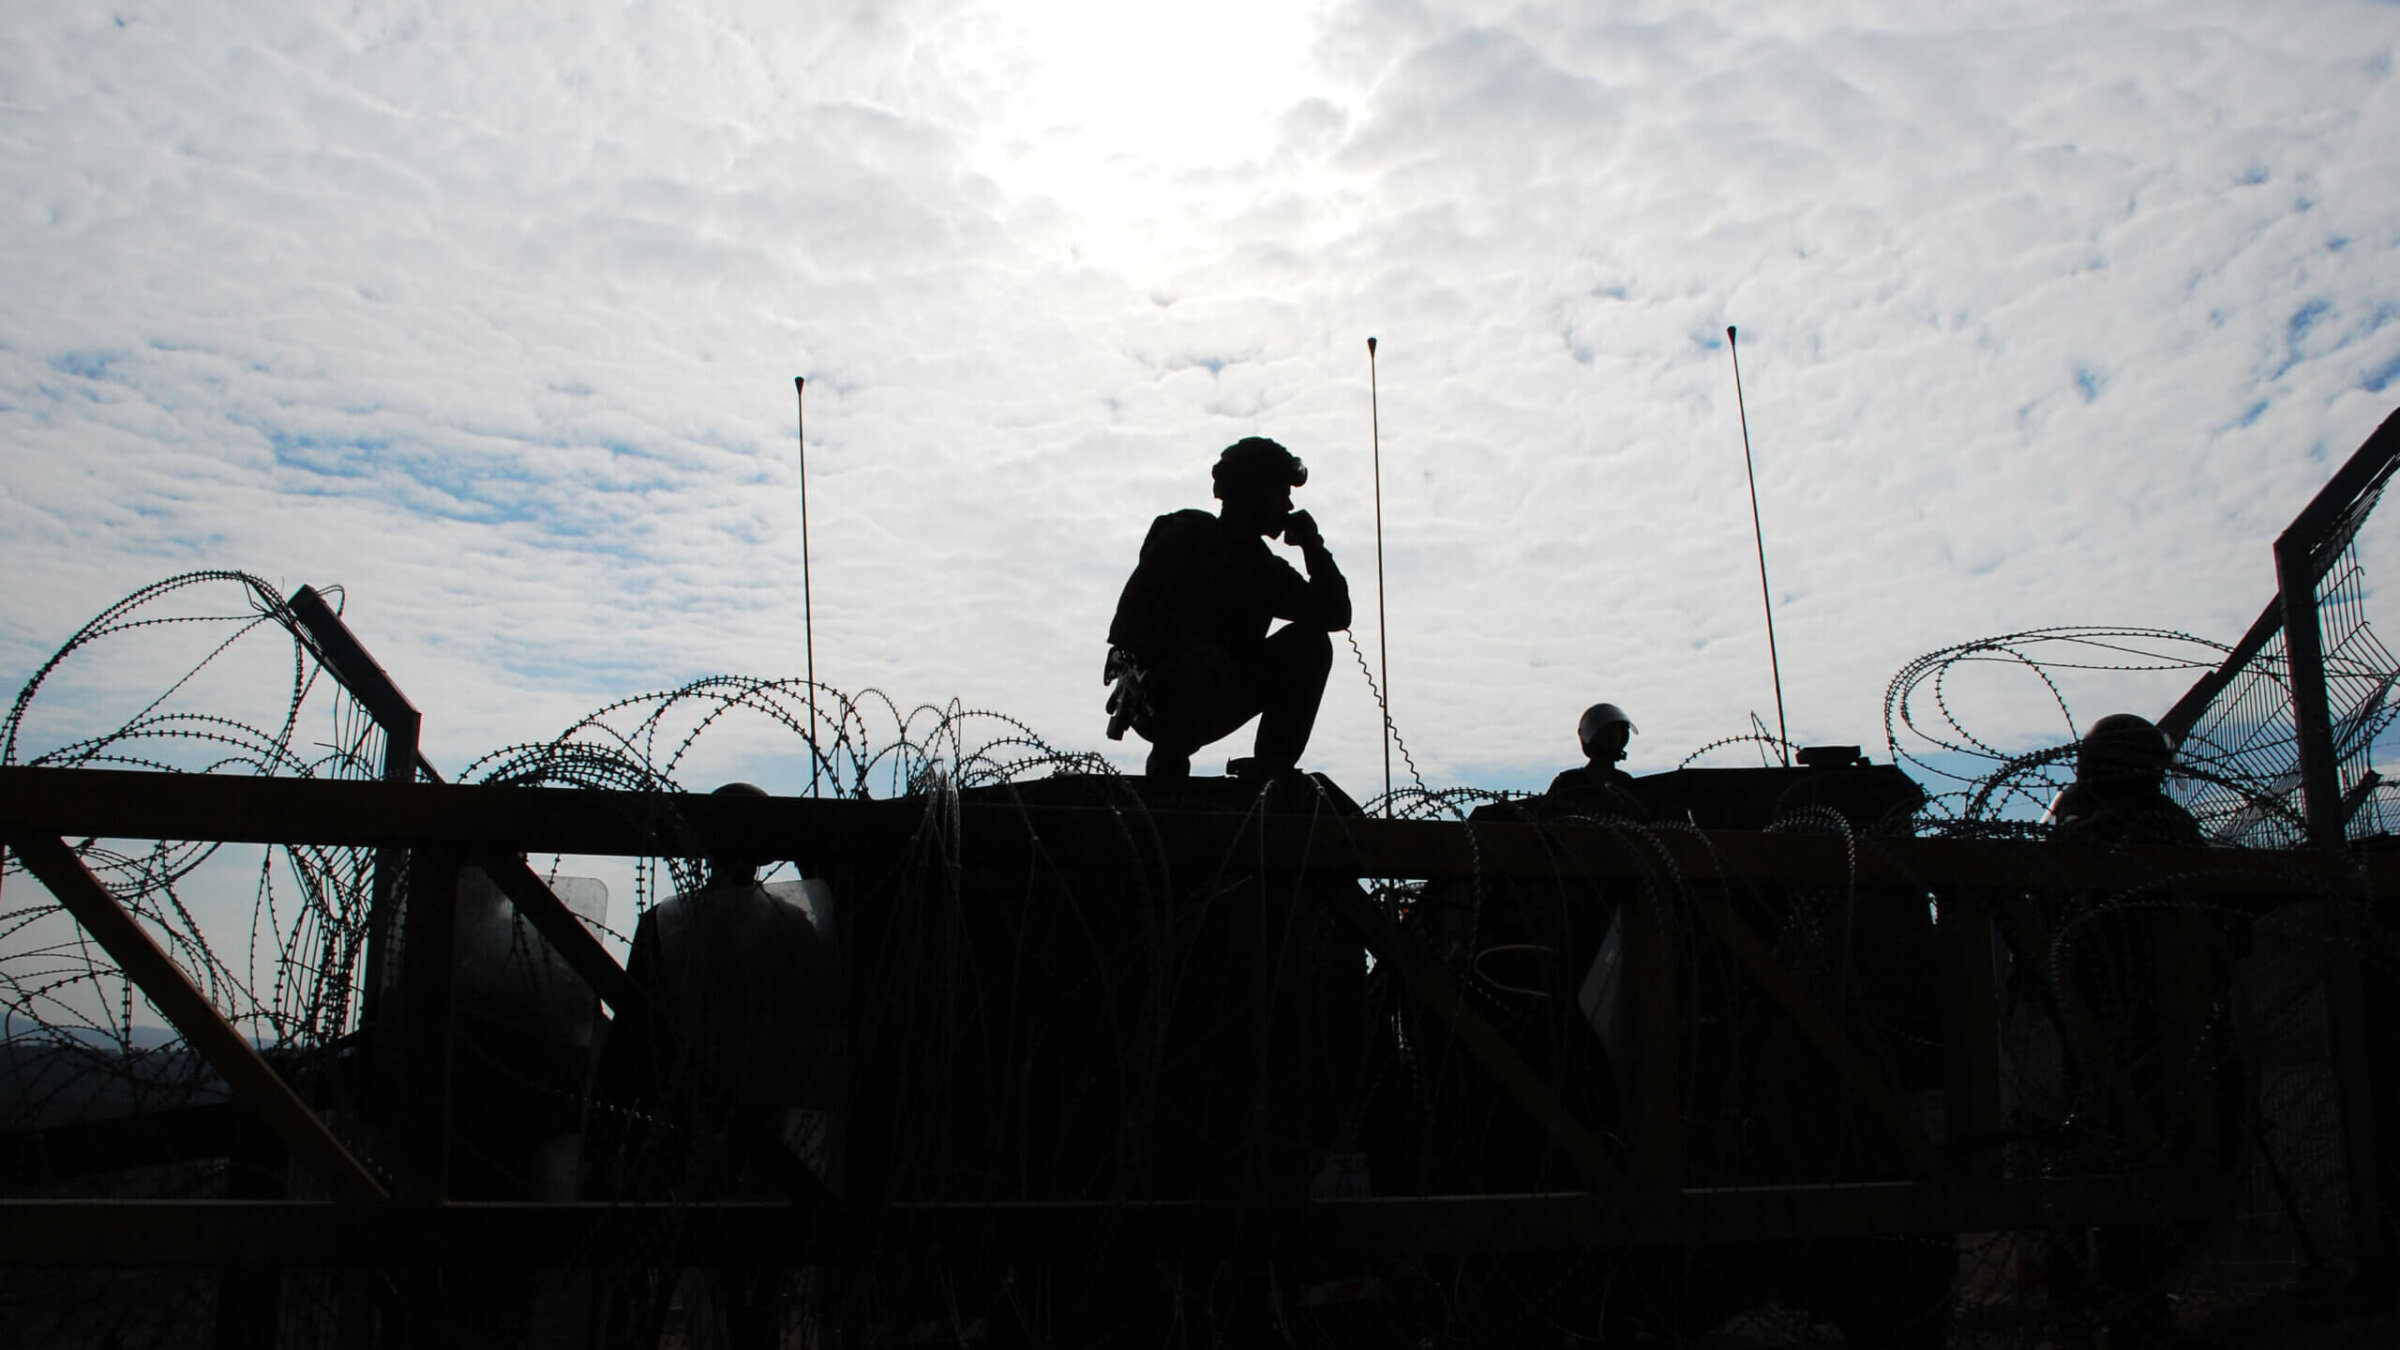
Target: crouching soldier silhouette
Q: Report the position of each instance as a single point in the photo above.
(1189, 650)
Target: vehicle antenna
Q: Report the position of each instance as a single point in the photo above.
(808, 611)
(1383, 644)
(1766, 598)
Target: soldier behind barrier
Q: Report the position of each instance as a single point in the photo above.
(2119, 795)
(745, 1019)
(1189, 651)
(2113, 1276)
(1599, 787)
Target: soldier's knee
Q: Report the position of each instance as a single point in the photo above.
(1305, 651)
(1320, 648)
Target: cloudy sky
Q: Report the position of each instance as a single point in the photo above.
(2049, 313)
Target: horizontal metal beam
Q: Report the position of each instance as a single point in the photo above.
(115, 1143)
(824, 834)
(276, 1233)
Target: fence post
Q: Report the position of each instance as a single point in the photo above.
(1970, 1032)
(2327, 522)
(2345, 1002)
(1654, 1070)
(2312, 716)
(358, 672)
(428, 975)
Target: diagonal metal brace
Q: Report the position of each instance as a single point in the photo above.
(1859, 1076)
(252, 1080)
(565, 933)
(1426, 980)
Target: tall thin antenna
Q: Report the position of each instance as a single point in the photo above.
(808, 608)
(1383, 644)
(1766, 599)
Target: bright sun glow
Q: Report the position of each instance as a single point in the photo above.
(1177, 84)
(1128, 114)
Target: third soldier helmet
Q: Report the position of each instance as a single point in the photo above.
(2123, 747)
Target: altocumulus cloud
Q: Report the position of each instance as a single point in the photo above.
(2048, 313)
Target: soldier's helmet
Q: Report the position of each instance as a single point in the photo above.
(728, 867)
(1255, 460)
(2123, 749)
(1598, 717)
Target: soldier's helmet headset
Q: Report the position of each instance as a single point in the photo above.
(1255, 461)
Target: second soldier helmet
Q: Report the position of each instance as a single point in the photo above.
(1255, 459)
(1601, 715)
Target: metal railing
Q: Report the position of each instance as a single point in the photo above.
(397, 1210)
